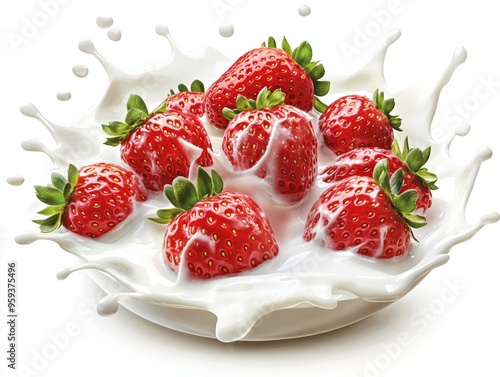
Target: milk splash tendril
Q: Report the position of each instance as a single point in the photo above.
(303, 275)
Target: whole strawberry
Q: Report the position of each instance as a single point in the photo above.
(365, 215)
(159, 146)
(356, 121)
(293, 72)
(276, 140)
(91, 201)
(211, 232)
(362, 162)
(188, 99)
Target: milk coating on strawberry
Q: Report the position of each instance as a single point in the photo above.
(159, 145)
(91, 201)
(292, 71)
(365, 215)
(212, 232)
(274, 141)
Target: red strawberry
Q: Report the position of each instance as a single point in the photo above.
(91, 201)
(365, 215)
(278, 139)
(190, 100)
(215, 232)
(355, 121)
(362, 162)
(159, 146)
(293, 72)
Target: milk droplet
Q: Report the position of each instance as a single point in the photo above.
(15, 180)
(304, 10)
(115, 34)
(63, 96)
(162, 30)
(104, 22)
(80, 71)
(226, 30)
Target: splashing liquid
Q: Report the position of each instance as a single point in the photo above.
(303, 274)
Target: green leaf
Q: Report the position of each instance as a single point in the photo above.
(58, 181)
(317, 72)
(185, 192)
(51, 210)
(217, 183)
(271, 42)
(321, 88)
(228, 113)
(136, 102)
(406, 201)
(162, 107)
(50, 195)
(428, 178)
(380, 167)
(197, 86)
(182, 88)
(68, 191)
(165, 216)
(117, 128)
(276, 98)
(73, 175)
(135, 115)
(396, 181)
(50, 223)
(319, 106)
(415, 220)
(415, 160)
(113, 141)
(426, 153)
(285, 46)
(169, 193)
(303, 54)
(203, 184)
(262, 97)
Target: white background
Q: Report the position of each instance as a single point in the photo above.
(444, 327)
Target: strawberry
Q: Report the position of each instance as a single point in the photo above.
(190, 100)
(362, 161)
(275, 138)
(293, 72)
(91, 201)
(161, 145)
(213, 232)
(356, 121)
(365, 215)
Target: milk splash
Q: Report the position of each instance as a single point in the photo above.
(303, 275)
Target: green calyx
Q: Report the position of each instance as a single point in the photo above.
(303, 56)
(415, 159)
(137, 114)
(184, 194)
(266, 99)
(386, 106)
(56, 196)
(405, 202)
(196, 86)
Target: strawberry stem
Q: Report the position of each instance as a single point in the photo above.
(184, 194)
(265, 99)
(415, 159)
(56, 196)
(137, 114)
(386, 106)
(404, 203)
(303, 56)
